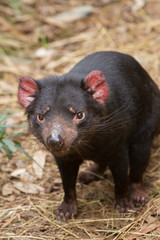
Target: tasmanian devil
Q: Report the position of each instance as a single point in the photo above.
(106, 109)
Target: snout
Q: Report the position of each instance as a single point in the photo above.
(55, 142)
(59, 137)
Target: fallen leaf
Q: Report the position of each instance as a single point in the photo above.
(7, 189)
(138, 4)
(150, 219)
(18, 172)
(11, 198)
(28, 177)
(52, 185)
(29, 188)
(145, 229)
(74, 14)
(39, 162)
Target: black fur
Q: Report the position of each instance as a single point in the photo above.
(117, 134)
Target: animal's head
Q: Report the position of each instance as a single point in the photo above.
(61, 110)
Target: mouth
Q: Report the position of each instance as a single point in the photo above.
(62, 150)
(59, 152)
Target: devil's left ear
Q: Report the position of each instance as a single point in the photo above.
(27, 90)
(95, 83)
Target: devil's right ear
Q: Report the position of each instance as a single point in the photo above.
(27, 90)
(95, 83)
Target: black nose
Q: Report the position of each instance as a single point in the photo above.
(55, 141)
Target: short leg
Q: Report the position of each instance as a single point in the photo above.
(68, 169)
(139, 156)
(92, 173)
(119, 168)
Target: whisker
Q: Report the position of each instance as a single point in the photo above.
(114, 120)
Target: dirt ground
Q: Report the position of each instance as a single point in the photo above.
(37, 40)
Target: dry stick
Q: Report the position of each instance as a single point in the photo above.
(155, 153)
(35, 207)
(79, 221)
(30, 237)
(130, 226)
(11, 27)
(136, 233)
(101, 220)
(122, 230)
(9, 221)
(25, 230)
(82, 228)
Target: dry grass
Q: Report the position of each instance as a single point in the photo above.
(27, 26)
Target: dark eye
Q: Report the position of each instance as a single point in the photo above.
(80, 115)
(40, 118)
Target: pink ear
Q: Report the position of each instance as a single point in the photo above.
(95, 82)
(27, 88)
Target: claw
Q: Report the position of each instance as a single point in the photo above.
(66, 211)
(138, 194)
(123, 205)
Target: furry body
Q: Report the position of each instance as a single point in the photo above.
(107, 109)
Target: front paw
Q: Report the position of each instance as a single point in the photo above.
(67, 210)
(123, 205)
(138, 194)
